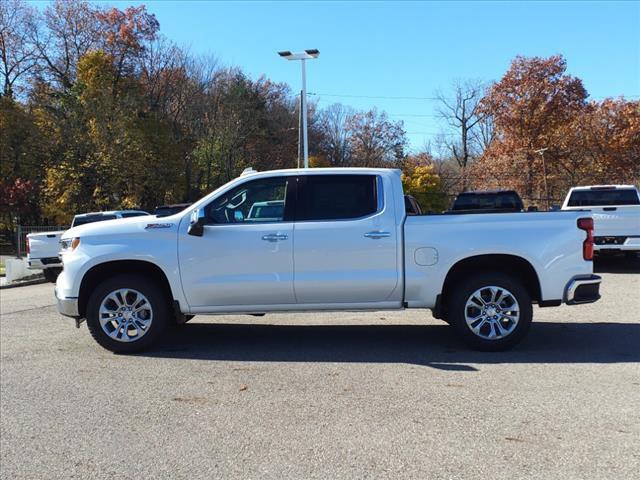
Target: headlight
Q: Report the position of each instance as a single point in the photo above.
(69, 244)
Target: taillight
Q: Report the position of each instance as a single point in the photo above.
(28, 246)
(586, 224)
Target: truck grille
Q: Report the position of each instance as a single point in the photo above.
(609, 240)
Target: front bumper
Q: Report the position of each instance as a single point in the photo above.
(67, 306)
(583, 289)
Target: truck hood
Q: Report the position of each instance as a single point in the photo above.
(122, 226)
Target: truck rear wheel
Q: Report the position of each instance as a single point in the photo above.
(127, 313)
(491, 312)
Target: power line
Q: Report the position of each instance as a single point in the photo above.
(385, 97)
(390, 97)
(431, 133)
(414, 115)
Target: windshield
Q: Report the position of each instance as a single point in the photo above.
(593, 198)
(91, 219)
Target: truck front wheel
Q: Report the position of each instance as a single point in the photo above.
(127, 313)
(490, 312)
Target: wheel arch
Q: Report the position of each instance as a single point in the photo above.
(98, 273)
(512, 265)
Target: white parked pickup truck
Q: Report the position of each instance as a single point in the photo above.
(616, 215)
(42, 253)
(342, 241)
(43, 248)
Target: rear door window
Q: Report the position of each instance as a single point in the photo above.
(336, 197)
(595, 198)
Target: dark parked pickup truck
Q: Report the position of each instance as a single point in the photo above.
(487, 201)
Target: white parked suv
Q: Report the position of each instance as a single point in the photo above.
(616, 215)
(342, 241)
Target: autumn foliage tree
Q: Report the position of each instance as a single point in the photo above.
(375, 141)
(531, 106)
(546, 131)
(603, 144)
(420, 180)
(17, 201)
(99, 111)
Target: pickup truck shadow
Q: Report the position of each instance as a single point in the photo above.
(616, 264)
(430, 345)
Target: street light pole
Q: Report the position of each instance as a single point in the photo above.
(300, 129)
(303, 57)
(305, 140)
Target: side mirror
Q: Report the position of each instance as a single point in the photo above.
(196, 225)
(238, 216)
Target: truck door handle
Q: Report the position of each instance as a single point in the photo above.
(274, 237)
(378, 234)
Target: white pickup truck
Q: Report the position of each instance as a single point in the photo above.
(43, 248)
(341, 241)
(616, 215)
(42, 253)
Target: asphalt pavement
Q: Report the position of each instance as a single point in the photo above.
(350, 395)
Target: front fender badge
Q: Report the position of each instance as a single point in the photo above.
(158, 225)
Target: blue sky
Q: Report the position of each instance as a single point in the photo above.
(409, 49)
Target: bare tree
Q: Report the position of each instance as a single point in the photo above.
(376, 141)
(464, 140)
(484, 133)
(61, 35)
(334, 125)
(16, 52)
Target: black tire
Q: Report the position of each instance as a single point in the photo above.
(457, 310)
(51, 274)
(160, 304)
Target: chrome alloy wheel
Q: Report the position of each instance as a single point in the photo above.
(125, 315)
(492, 312)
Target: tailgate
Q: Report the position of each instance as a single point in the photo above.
(616, 221)
(44, 245)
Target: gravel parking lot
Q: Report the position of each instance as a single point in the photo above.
(371, 395)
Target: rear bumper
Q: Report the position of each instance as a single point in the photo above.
(627, 243)
(583, 289)
(42, 263)
(67, 306)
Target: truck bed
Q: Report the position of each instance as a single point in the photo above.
(549, 241)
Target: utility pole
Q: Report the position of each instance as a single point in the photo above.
(303, 57)
(544, 173)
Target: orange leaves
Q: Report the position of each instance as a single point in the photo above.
(537, 105)
(128, 29)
